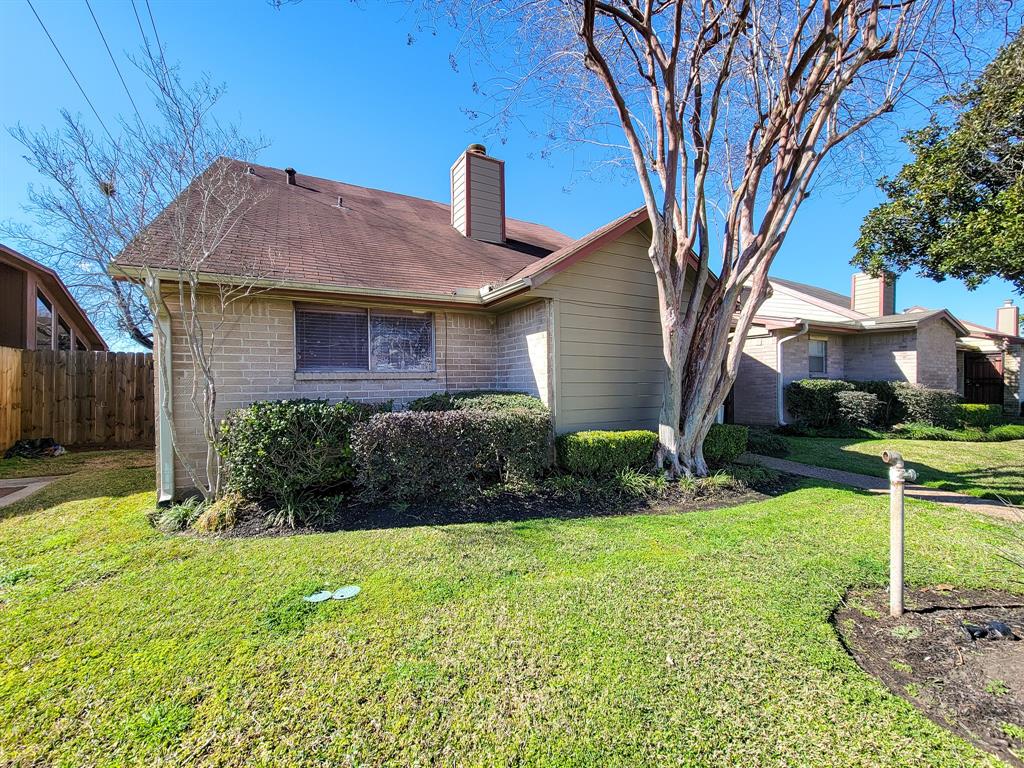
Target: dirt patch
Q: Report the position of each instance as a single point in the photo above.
(972, 686)
(514, 507)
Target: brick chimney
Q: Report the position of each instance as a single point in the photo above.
(478, 195)
(1008, 318)
(873, 296)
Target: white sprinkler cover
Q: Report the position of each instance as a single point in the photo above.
(318, 597)
(346, 593)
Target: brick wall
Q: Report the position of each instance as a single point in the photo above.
(882, 356)
(936, 355)
(755, 390)
(522, 350)
(254, 359)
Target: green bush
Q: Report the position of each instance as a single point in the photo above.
(977, 415)
(919, 430)
(858, 409)
(418, 455)
(478, 400)
(812, 402)
(291, 452)
(1005, 432)
(724, 444)
(892, 411)
(766, 443)
(928, 406)
(598, 453)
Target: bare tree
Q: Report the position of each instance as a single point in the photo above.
(726, 111)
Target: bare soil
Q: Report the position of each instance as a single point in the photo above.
(972, 686)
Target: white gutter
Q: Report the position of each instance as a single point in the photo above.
(804, 327)
(164, 406)
(488, 295)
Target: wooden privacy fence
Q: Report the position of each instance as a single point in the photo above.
(77, 398)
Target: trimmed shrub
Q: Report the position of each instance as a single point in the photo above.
(978, 415)
(766, 443)
(599, 453)
(724, 443)
(928, 406)
(1005, 432)
(289, 452)
(479, 400)
(417, 455)
(892, 411)
(813, 401)
(858, 409)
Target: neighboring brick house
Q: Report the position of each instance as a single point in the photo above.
(803, 331)
(378, 296)
(37, 311)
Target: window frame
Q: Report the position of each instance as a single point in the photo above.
(824, 356)
(369, 371)
(51, 307)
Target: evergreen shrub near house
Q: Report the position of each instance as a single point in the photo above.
(978, 415)
(478, 400)
(812, 402)
(937, 407)
(604, 453)
(858, 409)
(432, 454)
(724, 444)
(892, 411)
(291, 453)
(766, 443)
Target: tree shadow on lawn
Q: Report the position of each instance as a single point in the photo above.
(81, 486)
(515, 507)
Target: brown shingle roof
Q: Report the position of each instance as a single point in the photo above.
(377, 240)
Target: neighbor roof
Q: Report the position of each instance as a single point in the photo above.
(822, 294)
(375, 240)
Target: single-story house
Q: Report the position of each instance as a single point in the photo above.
(374, 295)
(37, 311)
(803, 331)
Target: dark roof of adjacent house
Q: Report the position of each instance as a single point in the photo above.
(375, 240)
(56, 287)
(867, 324)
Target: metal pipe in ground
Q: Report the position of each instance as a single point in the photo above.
(898, 475)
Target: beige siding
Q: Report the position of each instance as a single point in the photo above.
(610, 367)
(459, 194)
(782, 304)
(873, 296)
(485, 197)
(255, 360)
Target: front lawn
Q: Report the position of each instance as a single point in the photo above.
(680, 639)
(989, 470)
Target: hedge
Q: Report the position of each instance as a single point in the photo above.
(978, 415)
(599, 453)
(724, 443)
(478, 400)
(288, 452)
(766, 443)
(858, 409)
(928, 406)
(812, 402)
(420, 455)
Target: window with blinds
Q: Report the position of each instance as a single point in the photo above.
(361, 340)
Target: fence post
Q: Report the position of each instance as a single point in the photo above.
(898, 475)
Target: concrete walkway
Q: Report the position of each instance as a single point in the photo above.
(22, 487)
(880, 485)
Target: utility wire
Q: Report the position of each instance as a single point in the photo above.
(71, 71)
(112, 59)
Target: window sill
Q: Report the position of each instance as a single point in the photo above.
(364, 375)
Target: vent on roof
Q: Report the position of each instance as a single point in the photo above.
(478, 195)
(290, 173)
(251, 171)
(340, 205)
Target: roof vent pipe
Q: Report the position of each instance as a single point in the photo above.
(340, 202)
(290, 173)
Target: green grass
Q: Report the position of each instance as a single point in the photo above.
(680, 639)
(988, 470)
(75, 461)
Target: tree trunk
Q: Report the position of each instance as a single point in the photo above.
(668, 421)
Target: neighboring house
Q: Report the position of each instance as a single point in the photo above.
(37, 311)
(803, 331)
(373, 295)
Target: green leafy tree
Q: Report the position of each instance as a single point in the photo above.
(957, 210)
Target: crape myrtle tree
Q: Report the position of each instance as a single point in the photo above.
(957, 210)
(726, 111)
(163, 195)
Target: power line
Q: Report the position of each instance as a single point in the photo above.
(112, 59)
(70, 71)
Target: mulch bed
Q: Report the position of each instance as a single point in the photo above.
(511, 507)
(972, 686)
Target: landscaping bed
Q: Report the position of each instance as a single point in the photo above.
(973, 686)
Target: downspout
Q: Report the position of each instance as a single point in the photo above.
(804, 327)
(165, 441)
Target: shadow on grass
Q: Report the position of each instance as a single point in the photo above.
(82, 486)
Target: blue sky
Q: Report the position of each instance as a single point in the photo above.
(338, 91)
